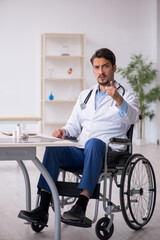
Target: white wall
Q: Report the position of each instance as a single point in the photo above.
(124, 26)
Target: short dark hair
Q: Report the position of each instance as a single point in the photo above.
(104, 53)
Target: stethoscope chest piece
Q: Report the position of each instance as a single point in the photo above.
(83, 105)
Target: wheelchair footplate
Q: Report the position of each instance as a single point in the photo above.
(86, 223)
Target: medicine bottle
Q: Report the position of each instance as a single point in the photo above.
(18, 130)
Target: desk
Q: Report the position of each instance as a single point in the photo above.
(13, 150)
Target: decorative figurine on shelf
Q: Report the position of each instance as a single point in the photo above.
(51, 97)
(65, 50)
(69, 71)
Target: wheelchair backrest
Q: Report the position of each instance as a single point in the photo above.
(130, 137)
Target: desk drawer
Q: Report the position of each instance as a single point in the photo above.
(17, 153)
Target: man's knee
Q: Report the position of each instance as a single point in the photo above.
(54, 150)
(52, 154)
(95, 143)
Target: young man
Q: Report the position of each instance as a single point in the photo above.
(109, 112)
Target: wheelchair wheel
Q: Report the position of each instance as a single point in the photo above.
(101, 229)
(138, 191)
(37, 227)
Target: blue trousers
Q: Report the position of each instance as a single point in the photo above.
(90, 159)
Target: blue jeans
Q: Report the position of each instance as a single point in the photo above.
(90, 159)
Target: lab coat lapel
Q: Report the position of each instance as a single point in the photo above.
(93, 101)
(107, 99)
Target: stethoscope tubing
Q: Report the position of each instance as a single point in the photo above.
(83, 105)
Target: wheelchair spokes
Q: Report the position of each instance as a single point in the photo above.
(138, 192)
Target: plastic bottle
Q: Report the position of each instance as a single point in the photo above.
(18, 130)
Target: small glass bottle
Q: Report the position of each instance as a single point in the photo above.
(18, 130)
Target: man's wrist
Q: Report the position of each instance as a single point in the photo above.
(66, 132)
(123, 108)
(119, 100)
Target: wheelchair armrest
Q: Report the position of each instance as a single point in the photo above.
(124, 141)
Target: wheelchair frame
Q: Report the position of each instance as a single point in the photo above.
(137, 190)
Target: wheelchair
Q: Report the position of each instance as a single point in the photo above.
(133, 174)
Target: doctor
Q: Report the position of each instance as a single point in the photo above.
(106, 111)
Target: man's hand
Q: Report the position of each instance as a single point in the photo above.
(59, 133)
(112, 91)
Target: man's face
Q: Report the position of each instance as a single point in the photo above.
(104, 71)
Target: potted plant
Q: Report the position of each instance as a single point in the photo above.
(141, 75)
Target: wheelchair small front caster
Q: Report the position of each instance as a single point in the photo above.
(101, 229)
(37, 227)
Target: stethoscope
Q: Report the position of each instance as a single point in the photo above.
(83, 105)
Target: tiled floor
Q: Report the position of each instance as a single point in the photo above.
(12, 199)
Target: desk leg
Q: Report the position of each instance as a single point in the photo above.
(55, 196)
(27, 185)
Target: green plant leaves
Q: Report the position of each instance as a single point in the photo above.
(140, 74)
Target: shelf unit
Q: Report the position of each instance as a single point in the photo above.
(59, 53)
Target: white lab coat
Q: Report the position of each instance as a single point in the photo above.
(104, 122)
